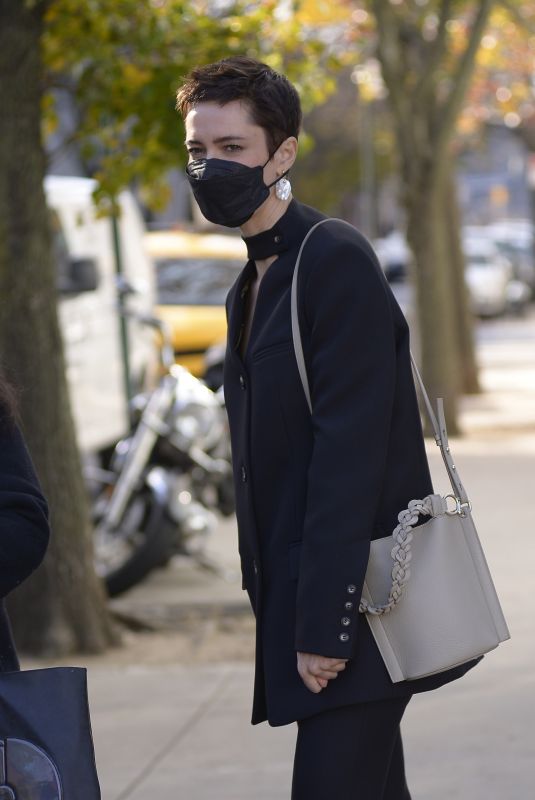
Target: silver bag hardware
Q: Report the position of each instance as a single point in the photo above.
(429, 600)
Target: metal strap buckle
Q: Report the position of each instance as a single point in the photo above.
(459, 507)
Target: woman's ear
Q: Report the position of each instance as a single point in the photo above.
(285, 155)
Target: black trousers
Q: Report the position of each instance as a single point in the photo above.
(351, 753)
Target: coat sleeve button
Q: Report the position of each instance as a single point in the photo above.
(242, 382)
(348, 606)
(346, 621)
(351, 588)
(344, 637)
(243, 473)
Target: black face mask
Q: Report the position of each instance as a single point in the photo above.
(228, 193)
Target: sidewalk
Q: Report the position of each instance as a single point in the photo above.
(506, 356)
(500, 420)
(171, 710)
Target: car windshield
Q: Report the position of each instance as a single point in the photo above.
(480, 260)
(195, 281)
(515, 248)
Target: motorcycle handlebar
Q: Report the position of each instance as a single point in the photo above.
(167, 353)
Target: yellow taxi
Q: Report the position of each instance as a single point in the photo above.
(194, 272)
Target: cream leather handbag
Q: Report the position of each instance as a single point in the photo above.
(428, 594)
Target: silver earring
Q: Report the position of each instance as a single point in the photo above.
(283, 189)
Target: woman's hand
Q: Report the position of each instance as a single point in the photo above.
(316, 671)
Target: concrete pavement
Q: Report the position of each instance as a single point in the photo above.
(171, 710)
(182, 730)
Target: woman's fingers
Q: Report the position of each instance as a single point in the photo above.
(316, 671)
(324, 673)
(336, 667)
(328, 663)
(312, 683)
(327, 668)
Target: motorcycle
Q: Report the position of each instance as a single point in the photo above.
(164, 483)
(213, 366)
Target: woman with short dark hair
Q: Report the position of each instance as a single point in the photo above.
(24, 530)
(312, 490)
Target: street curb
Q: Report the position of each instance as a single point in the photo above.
(178, 616)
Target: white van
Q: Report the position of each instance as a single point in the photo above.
(88, 308)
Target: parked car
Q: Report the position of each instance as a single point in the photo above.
(488, 275)
(194, 272)
(394, 256)
(88, 313)
(516, 240)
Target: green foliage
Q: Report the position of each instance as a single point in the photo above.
(123, 60)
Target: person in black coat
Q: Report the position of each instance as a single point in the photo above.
(24, 529)
(312, 491)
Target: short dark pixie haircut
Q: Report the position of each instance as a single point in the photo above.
(273, 102)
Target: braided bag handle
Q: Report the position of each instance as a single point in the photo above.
(401, 554)
(433, 504)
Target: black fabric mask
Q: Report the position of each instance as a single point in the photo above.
(228, 193)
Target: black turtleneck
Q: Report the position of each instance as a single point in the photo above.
(274, 241)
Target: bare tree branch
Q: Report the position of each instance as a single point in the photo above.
(389, 51)
(437, 49)
(388, 48)
(513, 10)
(450, 108)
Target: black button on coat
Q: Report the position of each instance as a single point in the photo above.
(24, 531)
(312, 491)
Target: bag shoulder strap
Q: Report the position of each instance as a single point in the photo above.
(438, 425)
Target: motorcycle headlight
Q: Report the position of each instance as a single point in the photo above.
(197, 425)
(196, 415)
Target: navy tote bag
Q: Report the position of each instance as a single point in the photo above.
(46, 745)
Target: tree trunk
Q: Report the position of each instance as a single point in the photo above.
(463, 317)
(62, 607)
(425, 110)
(427, 236)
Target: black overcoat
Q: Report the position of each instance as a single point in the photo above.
(312, 491)
(24, 530)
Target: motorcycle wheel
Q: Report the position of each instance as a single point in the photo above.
(126, 556)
